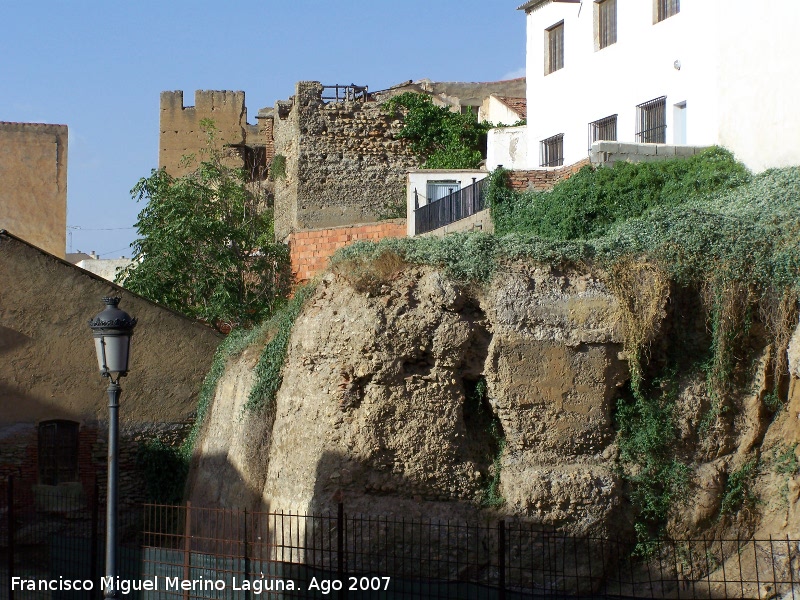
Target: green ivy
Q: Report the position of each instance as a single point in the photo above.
(441, 138)
(586, 205)
(738, 489)
(647, 439)
(164, 469)
(277, 168)
(269, 369)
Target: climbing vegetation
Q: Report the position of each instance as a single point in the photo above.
(441, 138)
(703, 226)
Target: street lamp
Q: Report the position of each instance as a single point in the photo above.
(112, 330)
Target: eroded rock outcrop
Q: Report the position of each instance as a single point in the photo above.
(382, 407)
(375, 405)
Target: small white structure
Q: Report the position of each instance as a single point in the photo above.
(107, 268)
(424, 186)
(506, 144)
(698, 72)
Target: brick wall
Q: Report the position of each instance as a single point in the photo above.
(310, 249)
(543, 179)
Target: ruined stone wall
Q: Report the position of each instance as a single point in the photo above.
(33, 194)
(181, 134)
(286, 144)
(311, 249)
(347, 164)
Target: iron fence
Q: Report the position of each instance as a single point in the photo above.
(193, 552)
(345, 93)
(56, 533)
(458, 205)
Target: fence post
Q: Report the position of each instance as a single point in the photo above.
(10, 515)
(94, 540)
(501, 559)
(340, 548)
(187, 546)
(246, 559)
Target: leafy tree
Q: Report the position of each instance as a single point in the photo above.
(206, 246)
(441, 138)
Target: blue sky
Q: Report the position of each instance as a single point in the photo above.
(99, 67)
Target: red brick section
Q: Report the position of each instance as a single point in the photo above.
(543, 179)
(310, 249)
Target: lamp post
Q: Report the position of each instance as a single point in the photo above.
(112, 330)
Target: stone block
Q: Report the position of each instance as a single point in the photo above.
(685, 150)
(646, 149)
(665, 150)
(612, 147)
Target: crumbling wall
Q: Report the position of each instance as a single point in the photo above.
(33, 194)
(347, 164)
(182, 135)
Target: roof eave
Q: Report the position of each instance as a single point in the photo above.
(528, 6)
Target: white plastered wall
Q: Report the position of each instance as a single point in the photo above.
(738, 75)
(507, 146)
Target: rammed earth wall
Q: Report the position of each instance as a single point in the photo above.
(343, 162)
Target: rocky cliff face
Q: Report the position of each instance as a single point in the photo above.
(411, 395)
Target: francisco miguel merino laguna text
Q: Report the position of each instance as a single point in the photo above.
(126, 586)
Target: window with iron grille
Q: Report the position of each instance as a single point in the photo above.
(666, 8)
(605, 23)
(554, 48)
(58, 452)
(604, 129)
(551, 151)
(651, 121)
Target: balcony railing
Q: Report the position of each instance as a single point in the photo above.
(345, 93)
(456, 206)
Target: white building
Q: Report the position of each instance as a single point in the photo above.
(697, 72)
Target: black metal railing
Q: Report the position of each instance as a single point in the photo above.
(603, 130)
(56, 533)
(345, 93)
(551, 151)
(651, 121)
(458, 205)
(220, 553)
(395, 557)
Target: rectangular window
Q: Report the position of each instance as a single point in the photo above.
(664, 9)
(554, 48)
(605, 23)
(651, 121)
(551, 151)
(58, 452)
(436, 190)
(603, 130)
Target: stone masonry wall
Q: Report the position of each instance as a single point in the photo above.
(311, 249)
(607, 153)
(348, 162)
(33, 194)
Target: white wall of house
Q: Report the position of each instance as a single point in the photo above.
(498, 112)
(738, 78)
(417, 181)
(507, 146)
(106, 268)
